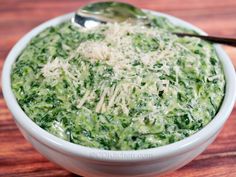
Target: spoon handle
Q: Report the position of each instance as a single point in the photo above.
(215, 39)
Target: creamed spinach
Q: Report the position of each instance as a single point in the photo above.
(119, 86)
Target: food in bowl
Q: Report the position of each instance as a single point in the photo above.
(119, 86)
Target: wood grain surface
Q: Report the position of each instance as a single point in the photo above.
(17, 17)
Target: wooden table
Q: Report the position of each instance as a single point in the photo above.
(17, 17)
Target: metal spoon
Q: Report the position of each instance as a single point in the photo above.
(102, 12)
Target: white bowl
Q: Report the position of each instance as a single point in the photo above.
(97, 162)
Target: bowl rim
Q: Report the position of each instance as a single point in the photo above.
(76, 150)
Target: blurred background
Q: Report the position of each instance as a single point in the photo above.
(17, 17)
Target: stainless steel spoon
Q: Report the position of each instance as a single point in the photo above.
(102, 12)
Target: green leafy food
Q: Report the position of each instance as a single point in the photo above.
(119, 86)
(145, 43)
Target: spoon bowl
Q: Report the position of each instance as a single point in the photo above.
(102, 12)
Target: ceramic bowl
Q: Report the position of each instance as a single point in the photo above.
(87, 161)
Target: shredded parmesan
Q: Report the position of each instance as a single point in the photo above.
(52, 68)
